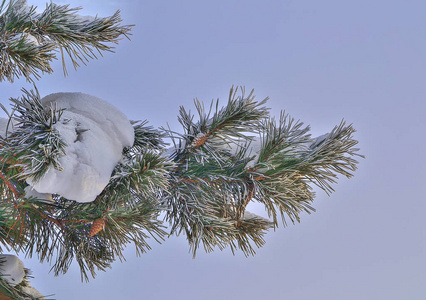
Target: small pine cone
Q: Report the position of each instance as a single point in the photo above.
(199, 140)
(97, 225)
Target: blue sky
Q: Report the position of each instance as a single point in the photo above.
(321, 61)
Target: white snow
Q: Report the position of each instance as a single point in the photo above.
(6, 126)
(32, 291)
(95, 133)
(254, 148)
(44, 197)
(3, 126)
(249, 215)
(22, 6)
(318, 140)
(84, 19)
(256, 145)
(27, 37)
(11, 269)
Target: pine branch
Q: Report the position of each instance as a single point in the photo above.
(203, 185)
(15, 292)
(333, 156)
(146, 137)
(61, 231)
(35, 144)
(29, 40)
(240, 116)
(215, 181)
(211, 184)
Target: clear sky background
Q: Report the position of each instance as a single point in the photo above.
(321, 61)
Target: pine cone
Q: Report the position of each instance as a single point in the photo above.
(199, 140)
(97, 225)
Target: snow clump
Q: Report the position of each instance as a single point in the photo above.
(95, 133)
(11, 269)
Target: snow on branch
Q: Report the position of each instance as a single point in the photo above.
(81, 181)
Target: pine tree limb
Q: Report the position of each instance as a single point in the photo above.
(29, 40)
